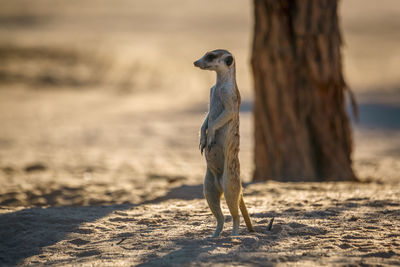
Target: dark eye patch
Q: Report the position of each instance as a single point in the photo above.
(210, 57)
(228, 60)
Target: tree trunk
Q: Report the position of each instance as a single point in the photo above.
(302, 131)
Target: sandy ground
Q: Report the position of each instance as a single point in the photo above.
(100, 109)
(315, 224)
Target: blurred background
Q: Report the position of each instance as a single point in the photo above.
(100, 102)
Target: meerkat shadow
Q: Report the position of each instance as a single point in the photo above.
(183, 192)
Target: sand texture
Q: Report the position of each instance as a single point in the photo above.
(315, 224)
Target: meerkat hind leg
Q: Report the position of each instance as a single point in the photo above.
(232, 192)
(213, 195)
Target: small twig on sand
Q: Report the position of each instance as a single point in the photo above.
(122, 240)
(270, 224)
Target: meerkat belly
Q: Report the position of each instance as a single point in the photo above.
(216, 156)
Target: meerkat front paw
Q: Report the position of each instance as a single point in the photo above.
(203, 143)
(210, 140)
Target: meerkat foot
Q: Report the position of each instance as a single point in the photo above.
(215, 235)
(218, 230)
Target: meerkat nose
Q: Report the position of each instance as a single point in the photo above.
(196, 63)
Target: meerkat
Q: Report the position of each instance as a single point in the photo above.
(219, 139)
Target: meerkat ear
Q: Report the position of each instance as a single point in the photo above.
(228, 60)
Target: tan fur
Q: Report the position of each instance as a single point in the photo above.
(220, 139)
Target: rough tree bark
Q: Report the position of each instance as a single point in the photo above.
(302, 131)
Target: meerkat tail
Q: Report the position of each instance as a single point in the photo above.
(245, 214)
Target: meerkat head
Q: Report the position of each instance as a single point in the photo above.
(217, 60)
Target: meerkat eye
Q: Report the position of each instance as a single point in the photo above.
(210, 57)
(228, 60)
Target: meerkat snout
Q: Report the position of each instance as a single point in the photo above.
(196, 63)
